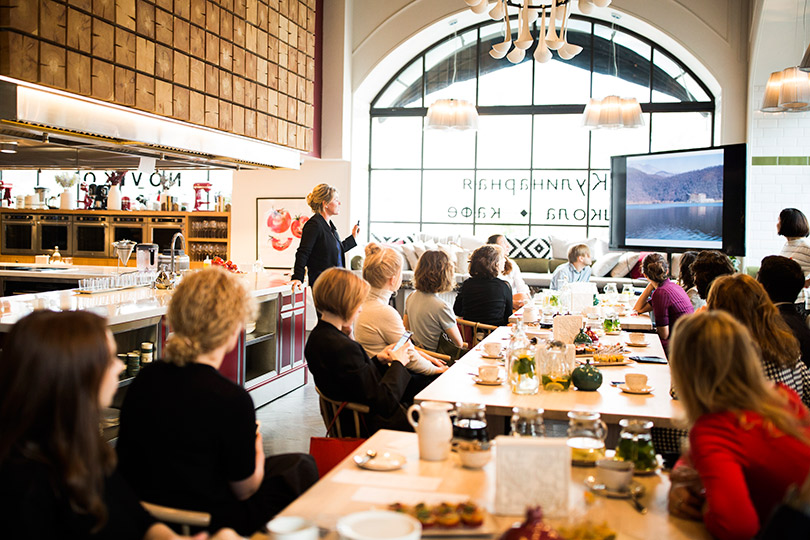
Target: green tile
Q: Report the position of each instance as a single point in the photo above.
(763, 160)
(792, 160)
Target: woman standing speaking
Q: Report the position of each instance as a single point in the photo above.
(321, 247)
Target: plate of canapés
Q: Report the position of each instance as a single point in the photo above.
(449, 519)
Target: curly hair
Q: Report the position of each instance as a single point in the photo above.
(204, 311)
(707, 266)
(715, 368)
(746, 300)
(381, 264)
(484, 261)
(51, 370)
(655, 267)
(434, 273)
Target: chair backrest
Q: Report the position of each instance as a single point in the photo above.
(331, 418)
(472, 332)
(185, 518)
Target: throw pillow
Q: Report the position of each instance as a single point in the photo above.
(410, 254)
(528, 248)
(463, 261)
(626, 263)
(560, 246)
(605, 263)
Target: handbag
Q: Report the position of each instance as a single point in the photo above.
(446, 346)
(329, 451)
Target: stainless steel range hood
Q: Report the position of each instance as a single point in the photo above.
(58, 130)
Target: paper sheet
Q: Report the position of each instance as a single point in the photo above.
(384, 496)
(388, 480)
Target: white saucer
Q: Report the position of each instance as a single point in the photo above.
(632, 344)
(386, 461)
(593, 484)
(499, 381)
(626, 389)
(614, 333)
(489, 357)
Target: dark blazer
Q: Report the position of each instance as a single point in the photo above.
(319, 249)
(799, 328)
(344, 372)
(483, 300)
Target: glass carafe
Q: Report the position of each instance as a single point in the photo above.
(586, 438)
(527, 422)
(611, 324)
(556, 364)
(470, 423)
(635, 444)
(522, 365)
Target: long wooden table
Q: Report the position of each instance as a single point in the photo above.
(347, 489)
(632, 322)
(457, 385)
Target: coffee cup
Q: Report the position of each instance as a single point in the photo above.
(638, 338)
(635, 381)
(492, 349)
(614, 474)
(529, 314)
(474, 458)
(488, 373)
(292, 528)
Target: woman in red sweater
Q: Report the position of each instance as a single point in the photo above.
(750, 439)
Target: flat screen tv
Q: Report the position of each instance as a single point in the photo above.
(679, 201)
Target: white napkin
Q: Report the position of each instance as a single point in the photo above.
(566, 327)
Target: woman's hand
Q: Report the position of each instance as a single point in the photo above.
(356, 229)
(686, 494)
(388, 355)
(296, 285)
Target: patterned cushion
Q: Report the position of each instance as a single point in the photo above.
(528, 248)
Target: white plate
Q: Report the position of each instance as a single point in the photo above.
(379, 525)
(600, 489)
(637, 344)
(496, 382)
(385, 461)
(626, 389)
(490, 357)
(614, 333)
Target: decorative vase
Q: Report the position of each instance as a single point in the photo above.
(587, 377)
(114, 198)
(66, 200)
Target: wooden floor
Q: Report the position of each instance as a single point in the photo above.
(288, 422)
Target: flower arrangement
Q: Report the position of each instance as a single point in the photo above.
(116, 178)
(67, 180)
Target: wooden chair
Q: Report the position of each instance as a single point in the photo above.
(185, 518)
(473, 332)
(329, 409)
(446, 358)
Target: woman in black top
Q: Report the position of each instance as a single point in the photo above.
(57, 476)
(321, 247)
(485, 298)
(189, 437)
(341, 368)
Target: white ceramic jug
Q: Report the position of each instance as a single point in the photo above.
(433, 428)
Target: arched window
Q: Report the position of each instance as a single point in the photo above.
(531, 168)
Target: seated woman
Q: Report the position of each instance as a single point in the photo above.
(665, 299)
(783, 280)
(426, 314)
(707, 266)
(686, 279)
(379, 323)
(511, 273)
(57, 475)
(749, 439)
(341, 368)
(189, 437)
(746, 300)
(484, 297)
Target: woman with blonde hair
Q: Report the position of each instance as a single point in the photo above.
(484, 297)
(189, 437)
(749, 439)
(427, 315)
(747, 301)
(341, 368)
(320, 246)
(379, 323)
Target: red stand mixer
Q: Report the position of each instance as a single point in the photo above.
(199, 189)
(5, 193)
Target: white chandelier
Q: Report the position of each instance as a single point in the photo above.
(452, 114)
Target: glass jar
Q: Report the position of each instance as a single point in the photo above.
(611, 324)
(586, 438)
(470, 423)
(556, 364)
(527, 422)
(635, 444)
(522, 365)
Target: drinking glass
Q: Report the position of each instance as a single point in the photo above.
(611, 292)
(527, 422)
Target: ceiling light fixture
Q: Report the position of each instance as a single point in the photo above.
(455, 114)
(8, 147)
(613, 112)
(789, 90)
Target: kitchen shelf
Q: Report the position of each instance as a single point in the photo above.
(203, 240)
(252, 339)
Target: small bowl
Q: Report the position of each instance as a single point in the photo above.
(474, 459)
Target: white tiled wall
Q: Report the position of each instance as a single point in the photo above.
(774, 187)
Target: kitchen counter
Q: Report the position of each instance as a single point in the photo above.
(120, 307)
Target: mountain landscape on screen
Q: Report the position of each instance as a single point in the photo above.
(645, 187)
